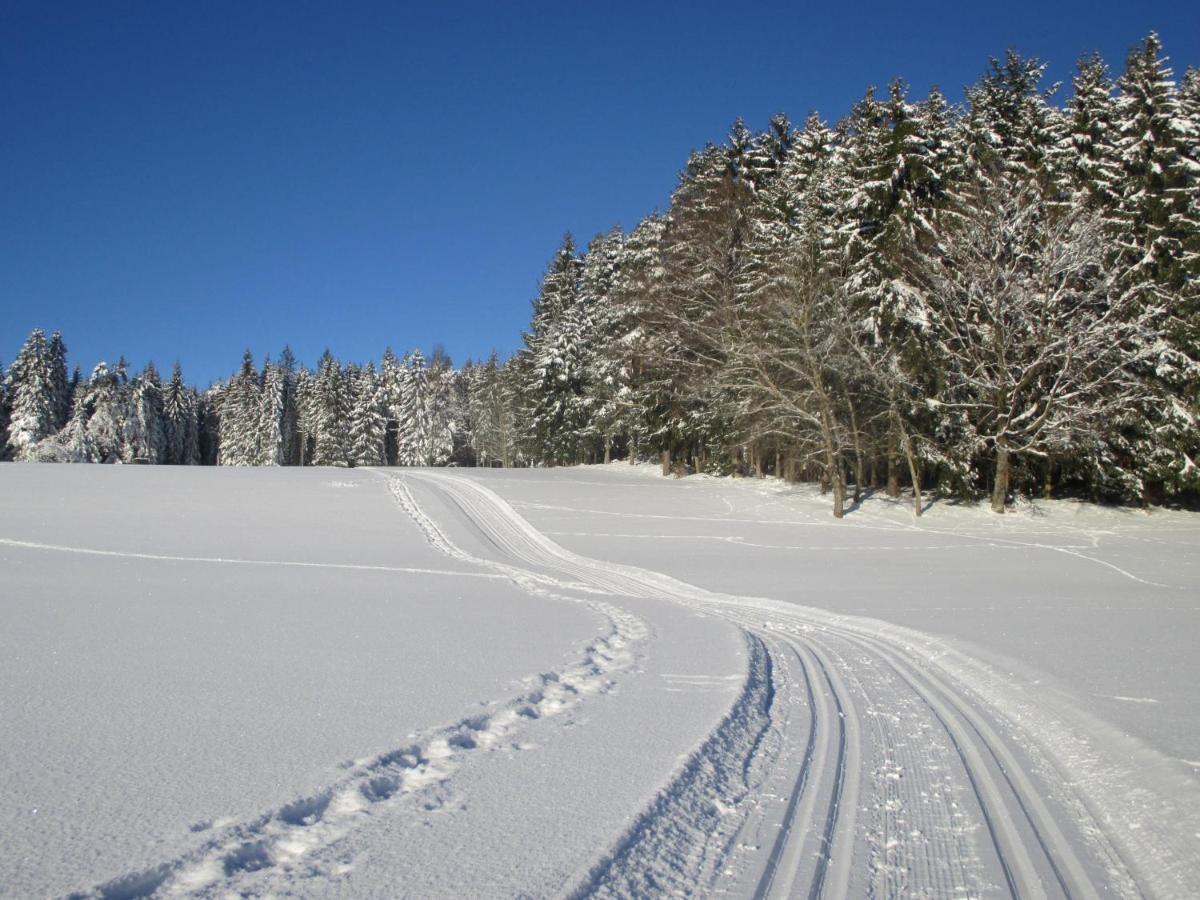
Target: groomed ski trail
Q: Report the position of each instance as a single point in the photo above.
(917, 770)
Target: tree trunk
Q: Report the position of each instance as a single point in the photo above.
(914, 473)
(858, 455)
(1000, 487)
(893, 466)
(758, 462)
(607, 449)
(666, 463)
(1048, 479)
(833, 463)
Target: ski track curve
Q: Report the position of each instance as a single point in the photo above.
(906, 767)
(976, 790)
(276, 842)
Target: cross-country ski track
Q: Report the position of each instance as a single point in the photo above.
(901, 816)
(857, 758)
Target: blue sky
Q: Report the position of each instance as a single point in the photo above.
(188, 180)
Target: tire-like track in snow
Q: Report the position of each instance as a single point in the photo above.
(908, 776)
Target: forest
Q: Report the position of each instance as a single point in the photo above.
(995, 298)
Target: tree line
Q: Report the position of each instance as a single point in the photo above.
(409, 411)
(965, 300)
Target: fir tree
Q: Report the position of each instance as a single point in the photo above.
(391, 380)
(240, 404)
(56, 353)
(4, 413)
(331, 414)
(142, 426)
(368, 425)
(1088, 152)
(269, 425)
(180, 431)
(32, 391)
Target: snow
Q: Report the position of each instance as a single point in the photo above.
(188, 652)
(1062, 590)
(585, 681)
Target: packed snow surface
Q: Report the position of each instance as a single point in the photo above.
(586, 682)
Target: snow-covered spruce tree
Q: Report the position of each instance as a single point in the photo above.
(331, 412)
(1011, 128)
(455, 392)
(901, 166)
(180, 431)
(269, 447)
(1156, 172)
(240, 403)
(787, 343)
(1087, 153)
(142, 427)
(557, 294)
(368, 424)
(688, 311)
(425, 436)
(75, 441)
(481, 399)
(104, 409)
(306, 416)
(32, 396)
(208, 424)
(392, 377)
(629, 342)
(4, 412)
(1157, 227)
(1034, 340)
(559, 415)
(289, 442)
(56, 354)
(604, 378)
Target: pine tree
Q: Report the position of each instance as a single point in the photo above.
(368, 424)
(1088, 152)
(1157, 225)
(289, 439)
(628, 346)
(606, 380)
(31, 387)
(142, 426)
(180, 431)
(269, 425)
(558, 415)
(56, 352)
(557, 294)
(331, 414)
(1011, 128)
(306, 417)
(4, 412)
(104, 409)
(240, 404)
(391, 377)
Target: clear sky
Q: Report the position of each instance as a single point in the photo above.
(186, 180)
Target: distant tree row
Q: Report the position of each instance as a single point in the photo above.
(965, 300)
(970, 301)
(406, 412)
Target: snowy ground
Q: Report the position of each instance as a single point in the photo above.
(585, 682)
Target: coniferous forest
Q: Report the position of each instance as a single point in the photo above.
(985, 300)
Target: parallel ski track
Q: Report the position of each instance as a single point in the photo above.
(793, 814)
(1026, 839)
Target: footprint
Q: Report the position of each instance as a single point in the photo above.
(304, 812)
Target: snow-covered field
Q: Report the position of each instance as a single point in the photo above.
(588, 681)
